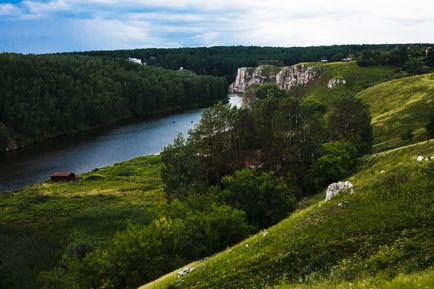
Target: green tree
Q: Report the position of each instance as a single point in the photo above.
(182, 169)
(267, 90)
(264, 197)
(430, 57)
(217, 141)
(350, 120)
(336, 162)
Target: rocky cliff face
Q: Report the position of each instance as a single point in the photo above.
(244, 74)
(285, 77)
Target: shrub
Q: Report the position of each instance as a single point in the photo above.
(140, 254)
(336, 162)
(264, 197)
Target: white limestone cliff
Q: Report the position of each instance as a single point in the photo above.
(285, 77)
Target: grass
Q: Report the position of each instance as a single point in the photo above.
(419, 280)
(384, 229)
(38, 222)
(357, 79)
(400, 106)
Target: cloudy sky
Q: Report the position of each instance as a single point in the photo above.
(39, 26)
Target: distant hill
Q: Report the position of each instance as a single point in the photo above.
(400, 110)
(225, 60)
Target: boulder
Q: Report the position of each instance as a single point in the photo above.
(334, 82)
(335, 189)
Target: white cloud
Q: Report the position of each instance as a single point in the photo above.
(145, 23)
(41, 8)
(115, 34)
(8, 9)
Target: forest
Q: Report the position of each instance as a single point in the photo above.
(224, 61)
(43, 96)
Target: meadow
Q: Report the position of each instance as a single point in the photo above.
(38, 223)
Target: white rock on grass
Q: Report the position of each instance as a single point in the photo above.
(335, 189)
(421, 158)
(332, 83)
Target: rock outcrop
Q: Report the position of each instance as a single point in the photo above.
(285, 77)
(335, 82)
(335, 189)
(298, 75)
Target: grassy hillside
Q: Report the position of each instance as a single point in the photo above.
(398, 107)
(39, 222)
(383, 229)
(357, 79)
(419, 280)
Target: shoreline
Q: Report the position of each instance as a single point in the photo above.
(107, 126)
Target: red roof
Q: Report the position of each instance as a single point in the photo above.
(62, 174)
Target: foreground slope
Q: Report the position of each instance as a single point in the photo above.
(400, 107)
(385, 227)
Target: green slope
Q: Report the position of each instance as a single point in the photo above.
(357, 79)
(38, 222)
(386, 227)
(400, 106)
(419, 280)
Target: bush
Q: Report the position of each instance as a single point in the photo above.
(264, 197)
(336, 163)
(140, 254)
(350, 120)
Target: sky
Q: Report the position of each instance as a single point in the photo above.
(44, 26)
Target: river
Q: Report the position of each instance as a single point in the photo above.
(85, 152)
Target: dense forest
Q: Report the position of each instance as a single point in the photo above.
(224, 61)
(49, 95)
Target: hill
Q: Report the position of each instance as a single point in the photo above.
(400, 110)
(312, 79)
(38, 223)
(356, 78)
(224, 61)
(383, 229)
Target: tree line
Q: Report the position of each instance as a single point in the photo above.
(411, 58)
(224, 61)
(42, 96)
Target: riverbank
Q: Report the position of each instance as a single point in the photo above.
(39, 222)
(105, 127)
(98, 148)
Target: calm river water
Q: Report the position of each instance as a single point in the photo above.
(85, 152)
